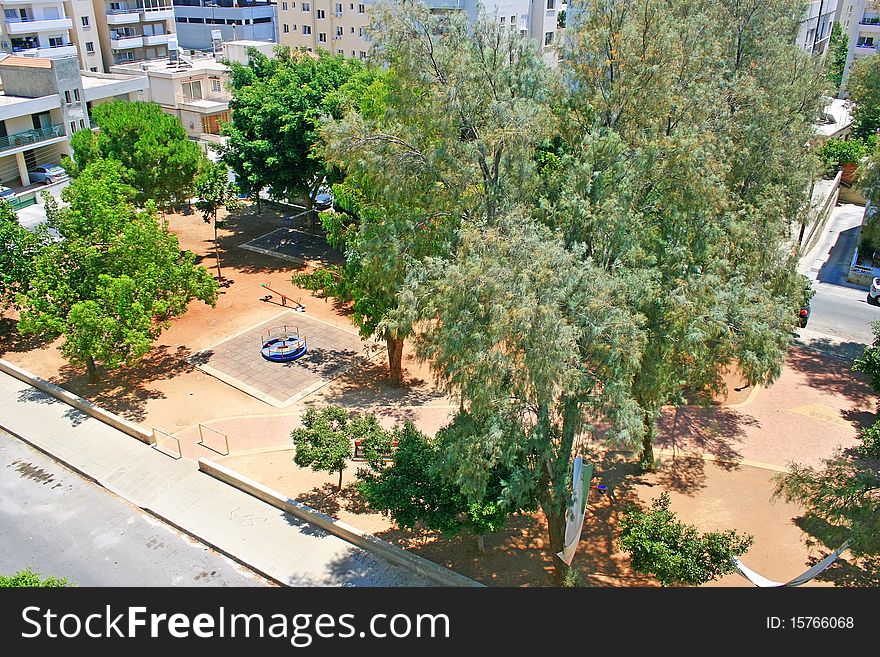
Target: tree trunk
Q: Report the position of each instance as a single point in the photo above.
(91, 369)
(310, 213)
(481, 544)
(648, 436)
(217, 251)
(395, 357)
(339, 486)
(556, 531)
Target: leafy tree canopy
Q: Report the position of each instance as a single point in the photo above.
(863, 85)
(157, 159)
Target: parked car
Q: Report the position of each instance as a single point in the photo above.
(6, 193)
(804, 315)
(874, 292)
(47, 173)
(324, 199)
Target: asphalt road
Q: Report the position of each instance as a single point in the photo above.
(57, 523)
(842, 313)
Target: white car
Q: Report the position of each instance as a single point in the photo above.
(874, 292)
(6, 193)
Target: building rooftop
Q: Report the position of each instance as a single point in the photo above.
(6, 101)
(27, 62)
(97, 80)
(163, 66)
(837, 117)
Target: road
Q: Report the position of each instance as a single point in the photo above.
(838, 309)
(55, 522)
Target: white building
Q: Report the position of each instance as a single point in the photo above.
(860, 21)
(43, 102)
(341, 27)
(815, 32)
(252, 20)
(36, 29)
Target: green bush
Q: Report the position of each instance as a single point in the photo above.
(29, 579)
(837, 152)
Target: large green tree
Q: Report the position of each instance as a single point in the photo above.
(114, 279)
(155, 156)
(685, 161)
(278, 105)
(863, 85)
(18, 247)
(838, 48)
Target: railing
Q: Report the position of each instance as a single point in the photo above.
(26, 48)
(872, 20)
(30, 137)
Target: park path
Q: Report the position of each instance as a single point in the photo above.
(271, 542)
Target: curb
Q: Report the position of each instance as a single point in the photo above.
(355, 536)
(77, 402)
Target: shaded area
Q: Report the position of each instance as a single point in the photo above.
(836, 268)
(296, 245)
(717, 431)
(832, 375)
(13, 341)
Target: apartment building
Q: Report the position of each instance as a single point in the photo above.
(36, 29)
(134, 30)
(42, 103)
(342, 26)
(193, 88)
(860, 21)
(252, 20)
(815, 32)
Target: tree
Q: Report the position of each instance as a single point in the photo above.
(115, 278)
(838, 47)
(674, 552)
(28, 578)
(324, 441)
(156, 157)
(671, 169)
(277, 107)
(214, 191)
(18, 247)
(863, 85)
(414, 491)
(463, 105)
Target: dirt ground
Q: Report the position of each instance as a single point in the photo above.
(167, 392)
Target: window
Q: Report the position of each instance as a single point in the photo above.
(340, 52)
(94, 69)
(67, 96)
(115, 6)
(307, 29)
(512, 21)
(286, 30)
(283, 6)
(548, 38)
(338, 32)
(215, 85)
(321, 13)
(76, 95)
(306, 6)
(551, 4)
(82, 124)
(502, 20)
(352, 30)
(90, 47)
(56, 41)
(338, 9)
(85, 21)
(362, 9)
(73, 126)
(322, 37)
(362, 54)
(192, 90)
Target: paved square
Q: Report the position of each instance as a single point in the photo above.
(296, 245)
(238, 362)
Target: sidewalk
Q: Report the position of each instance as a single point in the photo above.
(275, 544)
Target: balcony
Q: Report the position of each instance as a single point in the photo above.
(157, 13)
(28, 26)
(52, 52)
(155, 39)
(120, 42)
(28, 137)
(123, 16)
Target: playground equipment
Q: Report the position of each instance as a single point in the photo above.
(297, 306)
(282, 344)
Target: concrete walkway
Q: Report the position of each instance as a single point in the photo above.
(271, 542)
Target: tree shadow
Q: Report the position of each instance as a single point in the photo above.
(324, 498)
(859, 419)
(716, 431)
(12, 341)
(685, 475)
(834, 375)
(846, 573)
(126, 390)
